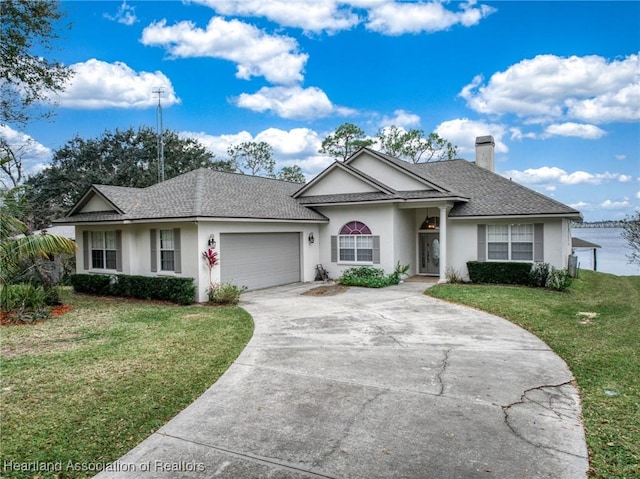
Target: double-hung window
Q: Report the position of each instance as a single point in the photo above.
(167, 250)
(103, 250)
(510, 242)
(355, 243)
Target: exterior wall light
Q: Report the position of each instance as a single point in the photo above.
(212, 241)
(311, 238)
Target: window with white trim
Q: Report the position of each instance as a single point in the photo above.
(355, 243)
(510, 242)
(167, 250)
(103, 250)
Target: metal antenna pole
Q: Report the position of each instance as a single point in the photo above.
(160, 133)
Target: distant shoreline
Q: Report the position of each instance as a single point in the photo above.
(599, 224)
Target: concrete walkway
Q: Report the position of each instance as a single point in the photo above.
(375, 384)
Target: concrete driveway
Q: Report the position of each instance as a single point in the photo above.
(375, 384)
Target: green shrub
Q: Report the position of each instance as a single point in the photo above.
(368, 277)
(26, 302)
(225, 293)
(177, 290)
(539, 274)
(499, 272)
(24, 296)
(558, 279)
(95, 284)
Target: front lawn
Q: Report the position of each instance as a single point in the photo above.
(86, 387)
(595, 327)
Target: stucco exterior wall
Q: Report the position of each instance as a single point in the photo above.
(339, 181)
(136, 252)
(406, 234)
(463, 241)
(387, 174)
(380, 219)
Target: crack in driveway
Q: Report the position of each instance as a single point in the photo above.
(525, 398)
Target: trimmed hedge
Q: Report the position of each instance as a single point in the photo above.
(497, 272)
(177, 290)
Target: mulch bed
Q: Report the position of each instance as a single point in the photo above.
(8, 319)
(329, 290)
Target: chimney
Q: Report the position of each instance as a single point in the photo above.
(485, 152)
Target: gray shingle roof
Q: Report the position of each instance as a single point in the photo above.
(375, 196)
(204, 193)
(208, 193)
(491, 194)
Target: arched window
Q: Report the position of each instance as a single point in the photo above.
(355, 228)
(355, 243)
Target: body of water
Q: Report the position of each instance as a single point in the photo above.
(612, 255)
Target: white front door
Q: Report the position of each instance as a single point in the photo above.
(429, 253)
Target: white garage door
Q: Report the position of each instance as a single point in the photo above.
(260, 260)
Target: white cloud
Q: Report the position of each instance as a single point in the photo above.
(292, 102)
(275, 57)
(34, 156)
(638, 195)
(315, 16)
(614, 205)
(295, 143)
(587, 132)
(97, 84)
(551, 174)
(581, 205)
(402, 119)
(463, 133)
(621, 157)
(548, 87)
(395, 18)
(126, 15)
(298, 146)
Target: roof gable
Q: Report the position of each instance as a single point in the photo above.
(340, 178)
(398, 174)
(392, 176)
(95, 200)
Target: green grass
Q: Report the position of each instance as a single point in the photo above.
(89, 385)
(603, 353)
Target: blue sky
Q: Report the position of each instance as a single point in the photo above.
(556, 83)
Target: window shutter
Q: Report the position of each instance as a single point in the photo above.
(482, 242)
(85, 249)
(334, 249)
(538, 242)
(154, 250)
(376, 250)
(119, 250)
(177, 256)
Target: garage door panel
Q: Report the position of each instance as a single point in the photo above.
(260, 260)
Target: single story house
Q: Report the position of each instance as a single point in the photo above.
(371, 209)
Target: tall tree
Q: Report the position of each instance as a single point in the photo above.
(120, 158)
(344, 142)
(26, 76)
(413, 146)
(253, 157)
(291, 173)
(631, 233)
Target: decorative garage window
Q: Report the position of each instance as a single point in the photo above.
(102, 250)
(355, 244)
(518, 242)
(165, 250)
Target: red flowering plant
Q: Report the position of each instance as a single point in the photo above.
(211, 257)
